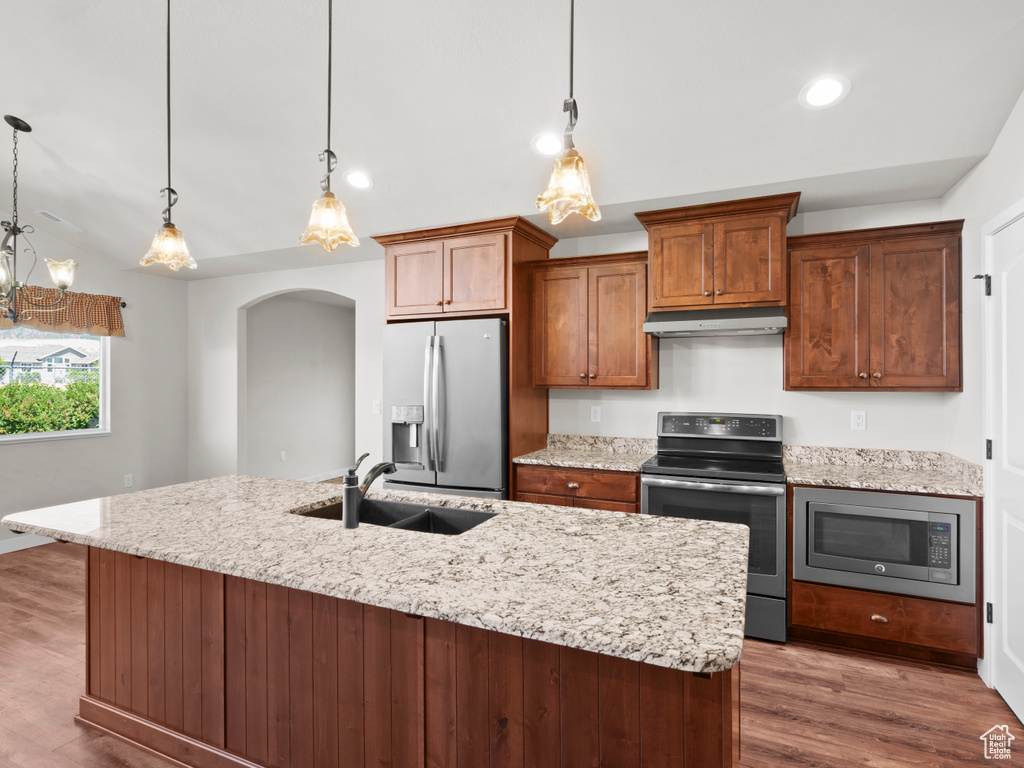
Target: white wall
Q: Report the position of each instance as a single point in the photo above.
(147, 398)
(745, 375)
(216, 344)
(300, 387)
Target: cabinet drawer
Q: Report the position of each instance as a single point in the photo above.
(545, 498)
(930, 623)
(581, 483)
(612, 506)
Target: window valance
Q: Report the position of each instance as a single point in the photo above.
(80, 313)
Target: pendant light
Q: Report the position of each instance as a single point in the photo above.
(569, 188)
(169, 244)
(328, 223)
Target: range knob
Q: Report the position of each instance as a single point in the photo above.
(880, 568)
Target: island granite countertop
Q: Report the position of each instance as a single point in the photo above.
(652, 589)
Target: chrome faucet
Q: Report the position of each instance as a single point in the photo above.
(352, 492)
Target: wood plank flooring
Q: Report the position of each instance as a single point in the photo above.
(801, 705)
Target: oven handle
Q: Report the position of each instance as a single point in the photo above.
(757, 490)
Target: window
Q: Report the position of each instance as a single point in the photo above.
(52, 385)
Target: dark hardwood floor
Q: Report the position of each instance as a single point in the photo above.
(801, 705)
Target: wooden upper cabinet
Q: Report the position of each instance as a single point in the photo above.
(730, 253)
(876, 308)
(464, 269)
(588, 316)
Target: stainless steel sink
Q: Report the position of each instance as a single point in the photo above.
(448, 521)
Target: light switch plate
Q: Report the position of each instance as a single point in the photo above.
(858, 420)
(595, 413)
(129, 481)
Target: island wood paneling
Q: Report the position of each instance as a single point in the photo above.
(216, 670)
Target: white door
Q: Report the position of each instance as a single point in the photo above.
(1004, 496)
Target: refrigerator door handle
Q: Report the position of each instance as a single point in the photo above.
(437, 405)
(428, 420)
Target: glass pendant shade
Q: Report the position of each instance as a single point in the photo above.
(328, 224)
(569, 189)
(169, 248)
(5, 279)
(62, 272)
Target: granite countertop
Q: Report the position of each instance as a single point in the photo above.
(618, 454)
(658, 590)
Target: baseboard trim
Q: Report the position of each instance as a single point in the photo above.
(155, 739)
(329, 475)
(24, 541)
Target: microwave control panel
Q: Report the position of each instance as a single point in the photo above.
(939, 540)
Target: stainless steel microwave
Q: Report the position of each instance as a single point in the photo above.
(891, 542)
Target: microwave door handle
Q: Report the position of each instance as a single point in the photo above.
(753, 490)
(428, 419)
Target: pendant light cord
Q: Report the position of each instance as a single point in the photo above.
(572, 35)
(569, 105)
(330, 67)
(168, 94)
(15, 212)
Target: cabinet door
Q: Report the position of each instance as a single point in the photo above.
(414, 278)
(560, 327)
(475, 273)
(749, 253)
(827, 337)
(915, 313)
(682, 265)
(617, 354)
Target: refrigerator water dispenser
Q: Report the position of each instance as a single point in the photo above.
(407, 444)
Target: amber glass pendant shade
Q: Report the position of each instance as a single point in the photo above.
(62, 272)
(169, 248)
(328, 224)
(569, 190)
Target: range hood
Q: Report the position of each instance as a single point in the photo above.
(740, 321)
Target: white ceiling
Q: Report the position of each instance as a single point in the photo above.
(680, 101)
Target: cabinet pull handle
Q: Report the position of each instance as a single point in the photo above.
(719, 292)
(439, 302)
(707, 293)
(583, 375)
(862, 375)
(573, 486)
(877, 375)
(879, 618)
(593, 375)
(448, 301)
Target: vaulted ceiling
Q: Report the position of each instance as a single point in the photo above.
(680, 101)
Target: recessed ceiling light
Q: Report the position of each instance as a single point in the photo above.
(358, 179)
(547, 144)
(824, 91)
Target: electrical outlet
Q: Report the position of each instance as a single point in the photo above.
(595, 413)
(129, 481)
(284, 456)
(375, 408)
(858, 420)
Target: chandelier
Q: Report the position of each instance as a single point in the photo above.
(16, 297)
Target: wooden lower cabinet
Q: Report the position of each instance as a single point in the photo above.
(215, 670)
(571, 487)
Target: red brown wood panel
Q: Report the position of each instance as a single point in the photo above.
(107, 675)
(93, 619)
(475, 272)
(682, 265)
(407, 691)
(749, 254)
(278, 712)
(470, 694)
(617, 308)
(559, 317)
(192, 651)
(414, 278)
(234, 664)
(662, 739)
(324, 670)
(300, 677)
(505, 705)
(619, 705)
(212, 650)
(122, 630)
(376, 687)
(439, 693)
(706, 701)
(139, 574)
(541, 722)
(351, 662)
(579, 696)
(545, 498)
(156, 638)
(256, 717)
(173, 648)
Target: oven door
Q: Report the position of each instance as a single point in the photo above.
(761, 507)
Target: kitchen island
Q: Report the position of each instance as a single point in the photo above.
(226, 628)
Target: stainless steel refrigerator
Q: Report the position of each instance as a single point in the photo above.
(445, 407)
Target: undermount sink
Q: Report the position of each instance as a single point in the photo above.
(448, 521)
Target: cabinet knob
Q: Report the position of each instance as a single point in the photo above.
(877, 375)
(862, 375)
(719, 292)
(573, 486)
(448, 301)
(439, 302)
(707, 293)
(879, 618)
(593, 375)
(583, 375)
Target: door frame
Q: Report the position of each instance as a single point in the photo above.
(988, 666)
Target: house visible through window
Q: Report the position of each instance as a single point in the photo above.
(51, 384)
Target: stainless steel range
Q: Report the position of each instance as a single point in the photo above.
(728, 467)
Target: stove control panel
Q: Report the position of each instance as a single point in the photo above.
(731, 425)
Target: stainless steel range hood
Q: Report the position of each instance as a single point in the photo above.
(741, 321)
